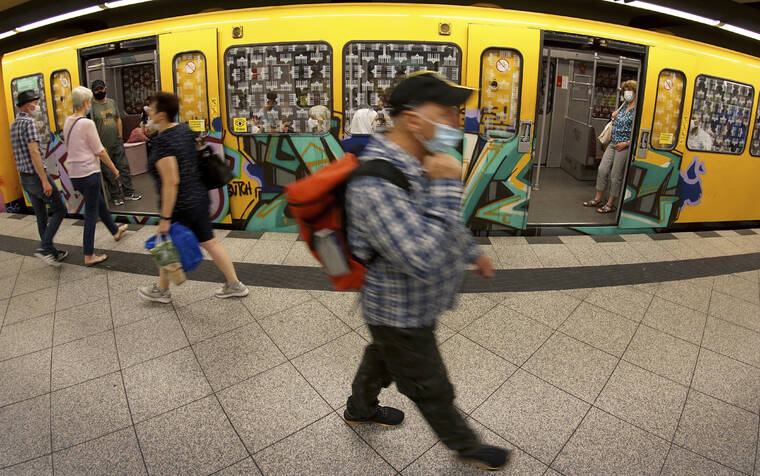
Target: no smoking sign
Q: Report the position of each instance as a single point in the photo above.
(502, 65)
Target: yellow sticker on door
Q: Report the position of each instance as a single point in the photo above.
(240, 124)
(666, 138)
(197, 125)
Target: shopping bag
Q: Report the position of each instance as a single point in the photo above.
(190, 254)
(166, 256)
(606, 136)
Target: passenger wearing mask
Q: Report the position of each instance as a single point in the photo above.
(108, 123)
(612, 167)
(418, 249)
(85, 153)
(269, 116)
(183, 198)
(699, 139)
(319, 119)
(37, 184)
(363, 121)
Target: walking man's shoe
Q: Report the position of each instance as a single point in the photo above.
(487, 457)
(229, 290)
(384, 416)
(50, 258)
(61, 255)
(155, 294)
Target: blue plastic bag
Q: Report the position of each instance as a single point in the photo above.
(189, 250)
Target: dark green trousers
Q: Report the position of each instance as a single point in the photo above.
(410, 357)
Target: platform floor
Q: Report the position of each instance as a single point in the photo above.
(659, 374)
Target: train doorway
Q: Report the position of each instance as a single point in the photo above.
(579, 90)
(130, 71)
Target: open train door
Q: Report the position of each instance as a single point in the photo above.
(499, 117)
(189, 68)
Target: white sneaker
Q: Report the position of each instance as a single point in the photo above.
(232, 290)
(154, 293)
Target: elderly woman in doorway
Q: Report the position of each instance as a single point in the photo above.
(84, 154)
(612, 167)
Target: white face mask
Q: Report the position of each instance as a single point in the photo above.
(628, 96)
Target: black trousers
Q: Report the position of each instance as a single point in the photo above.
(410, 357)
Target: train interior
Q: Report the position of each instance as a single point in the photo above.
(131, 72)
(579, 90)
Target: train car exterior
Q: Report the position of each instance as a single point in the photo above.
(546, 86)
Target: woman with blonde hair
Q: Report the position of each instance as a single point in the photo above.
(84, 154)
(612, 168)
(319, 119)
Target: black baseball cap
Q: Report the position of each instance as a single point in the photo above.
(97, 84)
(426, 86)
(27, 96)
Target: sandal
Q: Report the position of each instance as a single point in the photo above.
(119, 232)
(606, 209)
(98, 259)
(593, 203)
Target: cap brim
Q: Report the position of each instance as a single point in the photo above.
(455, 96)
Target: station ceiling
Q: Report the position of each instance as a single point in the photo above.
(742, 13)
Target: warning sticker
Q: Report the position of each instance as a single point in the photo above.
(666, 138)
(197, 125)
(239, 124)
(668, 84)
(189, 67)
(502, 65)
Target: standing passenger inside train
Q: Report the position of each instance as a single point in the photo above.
(183, 198)
(269, 116)
(418, 249)
(85, 153)
(612, 168)
(108, 122)
(34, 178)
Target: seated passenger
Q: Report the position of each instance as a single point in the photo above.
(363, 121)
(142, 133)
(319, 119)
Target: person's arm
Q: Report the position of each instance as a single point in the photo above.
(118, 124)
(168, 171)
(34, 152)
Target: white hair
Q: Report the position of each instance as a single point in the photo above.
(79, 95)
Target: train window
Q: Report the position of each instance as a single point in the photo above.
(272, 88)
(37, 83)
(719, 115)
(60, 84)
(754, 148)
(138, 82)
(500, 81)
(668, 109)
(191, 88)
(370, 69)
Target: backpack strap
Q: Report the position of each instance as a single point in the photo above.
(383, 169)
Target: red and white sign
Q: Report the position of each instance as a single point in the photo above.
(502, 65)
(668, 84)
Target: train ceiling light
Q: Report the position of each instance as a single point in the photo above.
(689, 16)
(70, 15)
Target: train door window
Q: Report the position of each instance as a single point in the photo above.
(60, 85)
(754, 148)
(190, 86)
(500, 82)
(37, 83)
(668, 109)
(371, 68)
(273, 88)
(138, 82)
(720, 115)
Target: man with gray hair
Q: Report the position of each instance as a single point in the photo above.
(37, 184)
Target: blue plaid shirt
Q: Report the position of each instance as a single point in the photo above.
(23, 131)
(421, 245)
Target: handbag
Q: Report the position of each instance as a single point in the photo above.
(606, 136)
(214, 171)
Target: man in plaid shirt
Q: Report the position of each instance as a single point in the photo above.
(418, 248)
(38, 186)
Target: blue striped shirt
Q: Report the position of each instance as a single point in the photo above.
(24, 131)
(421, 244)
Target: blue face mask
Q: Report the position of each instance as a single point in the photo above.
(444, 138)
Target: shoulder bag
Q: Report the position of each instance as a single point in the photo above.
(214, 171)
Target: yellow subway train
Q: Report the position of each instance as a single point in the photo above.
(546, 87)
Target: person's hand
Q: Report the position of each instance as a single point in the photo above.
(115, 172)
(442, 166)
(163, 227)
(621, 146)
(485, 267)
(47, 189)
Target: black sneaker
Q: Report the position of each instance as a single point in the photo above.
(132, 196)
(118, 202)
(47, 257)
(487, 457)
(384, 416)
(61, 255)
